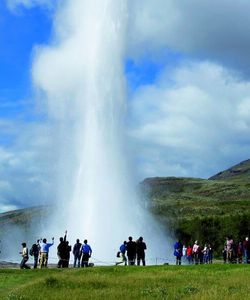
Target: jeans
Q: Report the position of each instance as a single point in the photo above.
(77, 260)
(23, 263)
(35, 261)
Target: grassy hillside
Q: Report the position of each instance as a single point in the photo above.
(207, 210)
(162, 282)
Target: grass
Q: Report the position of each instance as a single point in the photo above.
(161, 282)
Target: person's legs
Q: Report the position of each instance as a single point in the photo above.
(46, 260)
(85, 260)
(125, 259)
(35, 261)
(26, 266)
(42, 259)
(143, 259)
(23, 264)
(75, 260)
(59, 264)
(78, 260)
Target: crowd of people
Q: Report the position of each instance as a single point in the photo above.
(236, 252)
(133, 252)
(129, 253)
(197, 254)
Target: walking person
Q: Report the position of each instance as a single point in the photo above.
(123, 249)
(44, 252)
(25, 257)
(140, 251)
(77, 253)
(131, 251)
(86, 254)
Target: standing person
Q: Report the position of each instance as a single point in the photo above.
(196, 251)
(210, 254)
(25, 257)
(34, 251)
(178, 252)
(123, 249)
(62, 251)
(44, 252)
(190, 254)
(140, 251)
(86, 254)
(229, 245)
(201, 254)
(131, 251)
(205, 254)
(239, 253)
(77, 253)
(67, 254)
(184, 252)
(224, 254)
(246, 249)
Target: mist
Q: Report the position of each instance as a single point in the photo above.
(80, 79)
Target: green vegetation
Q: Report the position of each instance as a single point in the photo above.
(207, 210)
(162, 282)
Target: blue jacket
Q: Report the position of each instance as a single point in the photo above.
(123, 248)
(178, 249)
(86, 249)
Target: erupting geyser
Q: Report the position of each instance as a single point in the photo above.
(82, 76)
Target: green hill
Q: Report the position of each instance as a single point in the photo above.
(203, 209)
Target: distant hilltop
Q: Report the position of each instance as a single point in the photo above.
(239, 170)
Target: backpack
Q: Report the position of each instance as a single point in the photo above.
(34, 250)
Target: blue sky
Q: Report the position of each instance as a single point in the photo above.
(187, 68)
(20, 31)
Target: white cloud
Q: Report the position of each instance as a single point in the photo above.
(26, 165)
(198, 28)
(194, 126)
